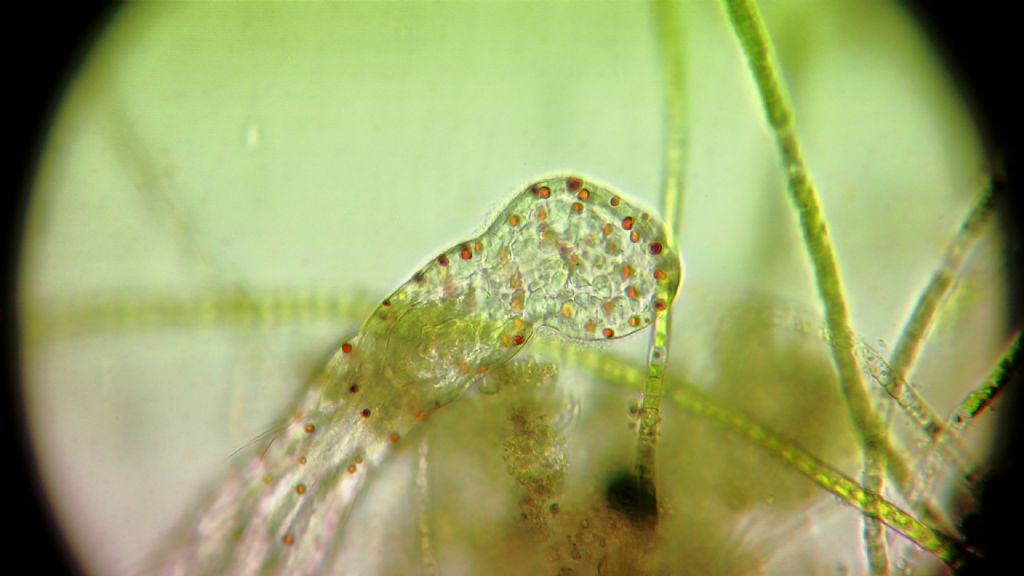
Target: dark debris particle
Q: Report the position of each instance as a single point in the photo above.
(634, 498)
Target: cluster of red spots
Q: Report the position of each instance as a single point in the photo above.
(577, 207)
(465, 253)
(543, 192)
(608, 333)
(631, 291)
(615, 201)
(573, 184)
(583, 194)
(394, 437)
(351, 468)
(655, 248)
(517, 339)
(442, 260)
(300, 488)
(627, 223)
(353, 389)
(346, 347)
(386, 302)
(365, 413)
(626, 271)
(634, 236)
(310, 428)
(513, 220)
(542, 215)
(606, 229)
(660, 275)
(660, 305)
(287, 539)
(634, 321)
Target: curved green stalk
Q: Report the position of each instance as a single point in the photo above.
(757, 49)
(973, 404)
(912, 337)
(216, 308)
(428, 559)
(667, 21)
(980, 398)
(902, 361)
(895, 376)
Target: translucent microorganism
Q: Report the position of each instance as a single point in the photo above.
(454, 323)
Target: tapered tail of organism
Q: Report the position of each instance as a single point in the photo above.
(564, 255)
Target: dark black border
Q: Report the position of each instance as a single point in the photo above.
(980, 44)
(50, 41)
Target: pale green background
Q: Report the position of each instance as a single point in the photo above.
(338, 145)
